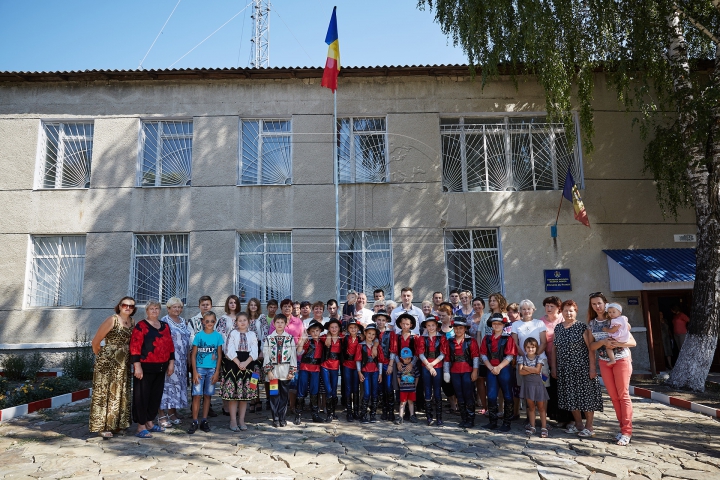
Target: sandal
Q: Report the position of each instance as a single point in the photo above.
(165, 421)
(572, 429)
(584, 433)
(157, 429)
(106, 434)
(624, 440)
(544, 433)
(174, 421)
(144, 434)
(530, 430)
(234, 429)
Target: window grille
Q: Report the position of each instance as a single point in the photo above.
(365, 262)
(472, 260)
(56, 272)
(160, 268)
(506, 154)
(265, 157)
(166, 158)
(264, 266)
(65, 155)
(362, 150)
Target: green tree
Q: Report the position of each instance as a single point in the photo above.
(663, 59)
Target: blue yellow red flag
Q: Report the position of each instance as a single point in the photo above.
(572, 193)
(332, 63)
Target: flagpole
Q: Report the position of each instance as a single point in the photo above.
(553, 228)
(337, 200)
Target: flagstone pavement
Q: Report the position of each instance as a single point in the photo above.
(669, 443)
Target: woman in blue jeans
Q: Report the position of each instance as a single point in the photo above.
(497, 352)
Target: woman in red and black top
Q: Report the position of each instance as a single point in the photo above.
(152, 354)
(432, 349)
(351, 385)
(386, 337)
(462, 368)
(497, 351)
(330, 367)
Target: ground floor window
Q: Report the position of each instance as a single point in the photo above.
(473, 261)
(264, 266)
(159, 267)
(56, 271)
(365, 261)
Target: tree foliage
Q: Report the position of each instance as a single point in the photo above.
(565, 43)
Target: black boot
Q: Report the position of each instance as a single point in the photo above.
(356, 405)
(463, 415)
(429, 410)
(363, 411)
(390, 396)
(331, 402)
(438, 412)
(493, 415)
(299, 403)
(349, 410)
(373, 409)
(507, 416)
(314, 409)
(470, 415)
(334, 407)
(383, 406)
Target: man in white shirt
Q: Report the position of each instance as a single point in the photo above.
(406, 294)
(437, 299)
(362, 315)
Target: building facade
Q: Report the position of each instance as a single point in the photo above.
(194, 182)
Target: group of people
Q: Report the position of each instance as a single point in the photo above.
(389, 355)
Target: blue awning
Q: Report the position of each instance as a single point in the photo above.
(651, 269)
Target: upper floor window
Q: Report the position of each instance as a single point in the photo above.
(159, 268)
(166, 157)
(362, 150)
(506, 154)
(56, 271)
(472, 261)
(365, 261)
(265, 154)
(264, 266)
(65, 155)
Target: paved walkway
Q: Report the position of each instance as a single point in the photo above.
(669, 443)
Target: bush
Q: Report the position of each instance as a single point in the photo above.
(14, 367)
(80, 362)
(55, 386)
(34, 364)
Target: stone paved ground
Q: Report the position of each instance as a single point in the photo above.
(669, 443)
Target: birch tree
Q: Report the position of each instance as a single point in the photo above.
(662, 58)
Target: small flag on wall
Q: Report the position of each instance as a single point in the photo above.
(332, 64)
(572, 193)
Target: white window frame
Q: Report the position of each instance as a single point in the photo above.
(60, 161)
(471, 250)
(368, 289)
(261, 136)
(30, 284)
(353, 159)
(237, 284)
(158, 154)
(133, 286)
(504, 118)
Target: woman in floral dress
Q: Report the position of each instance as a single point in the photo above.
(175, 390)
(110, 404)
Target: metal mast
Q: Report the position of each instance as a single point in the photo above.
(261, 34)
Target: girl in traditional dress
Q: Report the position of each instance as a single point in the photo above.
(239, 386)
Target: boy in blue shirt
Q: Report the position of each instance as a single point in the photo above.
(205, 359)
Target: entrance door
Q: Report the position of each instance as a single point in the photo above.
(660, 304)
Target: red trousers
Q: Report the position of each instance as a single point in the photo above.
(617, 380)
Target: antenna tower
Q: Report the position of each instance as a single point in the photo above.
(261, 34)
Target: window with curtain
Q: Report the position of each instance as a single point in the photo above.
(265, 156)
(365, 262)
(160, 267)
(166, 159)
(56, 271)
(65, 155)
(264, 266)
(362, 150)
(472, 261)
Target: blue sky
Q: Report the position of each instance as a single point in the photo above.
(80, 34)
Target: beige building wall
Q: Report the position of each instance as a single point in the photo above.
(620, 200)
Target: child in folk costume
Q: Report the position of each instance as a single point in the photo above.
(311, 353)
(432, 349)
(498, 351)
(280, 357)
(369, 374)
(387, 338)
(533, 388)
(349, 347)
(240, 365)
(406, 359)
(330, 367)
(462, 368)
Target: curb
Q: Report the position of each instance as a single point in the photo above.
(53, 402)
(49, 373)
(672, 401)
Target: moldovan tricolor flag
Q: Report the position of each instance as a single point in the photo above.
(572, 193)
(332, 64)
